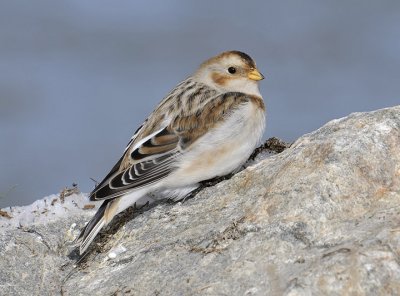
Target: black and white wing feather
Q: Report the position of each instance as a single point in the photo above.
(151, 161)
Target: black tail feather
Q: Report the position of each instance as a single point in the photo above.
(89, 232)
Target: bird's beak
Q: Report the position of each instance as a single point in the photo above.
(255, 75)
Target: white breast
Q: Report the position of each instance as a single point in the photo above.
(222, 150)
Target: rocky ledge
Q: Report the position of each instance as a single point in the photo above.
(320, 218)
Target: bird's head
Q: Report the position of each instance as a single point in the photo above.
(230, 71)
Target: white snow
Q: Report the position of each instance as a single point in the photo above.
(114, 252)
(47, 209)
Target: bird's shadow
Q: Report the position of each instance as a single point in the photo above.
(99, 243)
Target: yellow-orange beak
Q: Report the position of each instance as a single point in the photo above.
(255, 75)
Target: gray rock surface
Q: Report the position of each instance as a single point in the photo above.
(320, 218)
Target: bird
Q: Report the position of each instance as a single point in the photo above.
(206, 127)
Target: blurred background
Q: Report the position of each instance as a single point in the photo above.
(78, 77)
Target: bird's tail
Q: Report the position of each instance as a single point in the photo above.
(107, 211)
(89, 232)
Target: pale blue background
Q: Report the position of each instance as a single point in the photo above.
(78, 77)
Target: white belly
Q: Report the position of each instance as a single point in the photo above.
(222, 151)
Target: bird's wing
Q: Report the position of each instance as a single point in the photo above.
(117, 166)
(155, 157)
(150, 162)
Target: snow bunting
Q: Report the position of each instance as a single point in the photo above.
(207, 126)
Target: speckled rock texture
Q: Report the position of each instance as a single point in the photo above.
(320, 218)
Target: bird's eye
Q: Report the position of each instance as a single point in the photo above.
(232, 70)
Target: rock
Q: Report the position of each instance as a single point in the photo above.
(320, 218)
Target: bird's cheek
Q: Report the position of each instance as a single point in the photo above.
(220, 79)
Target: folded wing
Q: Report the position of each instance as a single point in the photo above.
(150, 162)
(156, 155)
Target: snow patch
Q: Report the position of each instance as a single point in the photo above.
(50, 208)
(114, 252)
